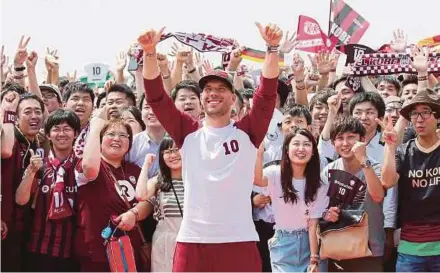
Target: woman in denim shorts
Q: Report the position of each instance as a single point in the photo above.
(298, 199)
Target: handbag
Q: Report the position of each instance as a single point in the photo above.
(145, 251)
(345, 239)
(120, 254)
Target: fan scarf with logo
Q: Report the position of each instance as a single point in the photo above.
(59, 206)
(199, 41)
(391, 63)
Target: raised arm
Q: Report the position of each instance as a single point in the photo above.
(9, 107)
(389, 167)
(257, 121)
(146, 188)
(121, 63)
(259, 179)
(176, 123)
(91, 161)
(299, 78)
(420, 63)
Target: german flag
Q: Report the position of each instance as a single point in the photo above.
(255, 55)
(347, 26)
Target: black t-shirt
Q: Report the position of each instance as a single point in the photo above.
(419, 183)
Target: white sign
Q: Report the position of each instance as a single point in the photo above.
(96, 72)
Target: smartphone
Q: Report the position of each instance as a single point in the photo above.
(132, 64)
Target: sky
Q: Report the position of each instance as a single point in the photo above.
(86, 31)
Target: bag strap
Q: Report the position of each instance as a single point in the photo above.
(177, 199)
(124, 197)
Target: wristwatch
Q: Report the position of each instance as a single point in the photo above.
(367, 164)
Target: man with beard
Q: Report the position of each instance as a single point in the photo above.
(16, 145)
(216, 235)
(79, 97)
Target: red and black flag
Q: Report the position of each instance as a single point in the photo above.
(346, 25)
(354, 51)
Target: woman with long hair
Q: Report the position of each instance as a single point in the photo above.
(298, 200)
(107, 182)
(165, 192)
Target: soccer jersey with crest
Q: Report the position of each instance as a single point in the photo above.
(218, 166)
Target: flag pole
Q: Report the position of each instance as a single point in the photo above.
(330, 17)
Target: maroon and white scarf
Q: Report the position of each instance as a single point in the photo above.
(80, 142)
(59, 206)
(391, 63)
(199, 41)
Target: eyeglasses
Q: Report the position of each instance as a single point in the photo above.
(390, 110)
(114, 135)
(171, 151)
(424, 114)
(48, 96)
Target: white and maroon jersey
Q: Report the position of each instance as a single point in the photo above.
(217, 166)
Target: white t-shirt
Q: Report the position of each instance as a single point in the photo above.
(290, 216)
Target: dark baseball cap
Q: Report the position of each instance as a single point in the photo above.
(216, 74)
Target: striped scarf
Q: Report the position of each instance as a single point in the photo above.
(60, 207)
(80, 142)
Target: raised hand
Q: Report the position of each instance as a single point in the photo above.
(359, 150)
(398, 44)
(271, 34)
(207, 66)
(334, 103)
(149, 39)
(298, 67)
(389, 134)
(323, 63)
(334, 58)
(420, 59)
(31, 61)
(21, 53)
(121, 61)
(51, 59)
(71, 77)
(108, 84)
(36, 162)
(236, 58)
(10, 101)
(149, 160)
(163, 63)
(288, 43)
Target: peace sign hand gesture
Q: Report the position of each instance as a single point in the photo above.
(149, 39)
(21, 54)
(389, 134)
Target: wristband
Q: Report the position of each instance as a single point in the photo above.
(9, 117)
(166, 77)
(272, 48)
(136, 213)
(150, 54)
(333, 70)
(422, 78)
(192, 71)
(18, 69)
(314, 256)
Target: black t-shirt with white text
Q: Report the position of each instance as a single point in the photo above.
(419, 183)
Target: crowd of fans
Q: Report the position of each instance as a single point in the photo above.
(218, 170)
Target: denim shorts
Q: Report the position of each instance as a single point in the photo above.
(412, 263)
(290, 251)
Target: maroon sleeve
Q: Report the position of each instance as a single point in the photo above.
(177, 124)
(257, 121)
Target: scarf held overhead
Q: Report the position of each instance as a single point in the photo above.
(391, 63)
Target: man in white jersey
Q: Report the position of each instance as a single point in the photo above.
(217, 232)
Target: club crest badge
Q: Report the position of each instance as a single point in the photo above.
(132, 180)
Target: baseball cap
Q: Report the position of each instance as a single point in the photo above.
(392, 99)
(52, 88)
(216, 74)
